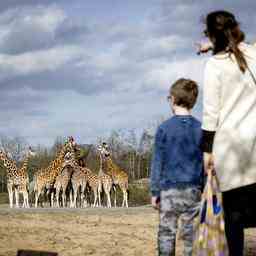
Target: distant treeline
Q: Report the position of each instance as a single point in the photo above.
(129, 152)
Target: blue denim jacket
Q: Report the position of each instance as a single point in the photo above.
(177, 159)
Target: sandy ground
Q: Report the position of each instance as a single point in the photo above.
(73, 232)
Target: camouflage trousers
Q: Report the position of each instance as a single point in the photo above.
(177, 204)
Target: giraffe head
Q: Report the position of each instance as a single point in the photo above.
(69, 156)
(30, 152)
(68, 159)
(5, 155)
(70, 144)
(103, 150)
(8, 162)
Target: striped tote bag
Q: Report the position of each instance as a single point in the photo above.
(209, 238)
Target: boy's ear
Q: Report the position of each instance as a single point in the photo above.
(172, 100)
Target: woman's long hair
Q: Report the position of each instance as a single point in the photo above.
(225, 34)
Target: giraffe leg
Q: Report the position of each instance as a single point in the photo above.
(64, 195)
(37, 194)
(57, 197)
(25, 199)
(17, 197)
(107, 189)
(115, 195)
(72, 194)
(99, 190)
(126, 198)
(64, 200)
(75, 197)
(95, 191)
(10, 193)
(47, 198)
(108, 199)
(36, 198)
(87, 195)
(70, 199)
(52, 198)
(83, 198)
(123, 198)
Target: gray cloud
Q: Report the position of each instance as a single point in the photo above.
(186, 17)
(11, 4)
(86, 74)
(37, 28)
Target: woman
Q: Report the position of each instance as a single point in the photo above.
(229, 123)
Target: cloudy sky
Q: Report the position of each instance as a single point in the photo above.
(85, 68)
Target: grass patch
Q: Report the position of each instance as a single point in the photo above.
(138, 195)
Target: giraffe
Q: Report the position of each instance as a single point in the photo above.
(81, 177)
(61, 183)
(23, 171)
(119, 176)
(45, 178)
(105, 180)
(17, 179)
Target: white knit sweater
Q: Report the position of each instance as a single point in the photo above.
(229, 108)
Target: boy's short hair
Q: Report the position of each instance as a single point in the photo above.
(184, 92)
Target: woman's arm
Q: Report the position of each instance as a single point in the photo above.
(211, 111)
(211, 97)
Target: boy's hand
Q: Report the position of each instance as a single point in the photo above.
(155, 201)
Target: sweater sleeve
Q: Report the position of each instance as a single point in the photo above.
(156, 163)
(207, 141)
(211, 97)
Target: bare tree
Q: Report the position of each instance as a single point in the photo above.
(14, 147)
(57, 145)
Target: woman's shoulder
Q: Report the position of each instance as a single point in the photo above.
(213, 65)
(245, 45)
(248, 49)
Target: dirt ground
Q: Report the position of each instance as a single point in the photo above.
(92, 231)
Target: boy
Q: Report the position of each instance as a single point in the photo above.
(177, 169)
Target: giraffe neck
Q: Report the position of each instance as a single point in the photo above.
(73, 157)
(60, 156)
(101, 166)
(108, 166)
(9, 164)
(56, 164)
(24, 167)
(72, 162)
